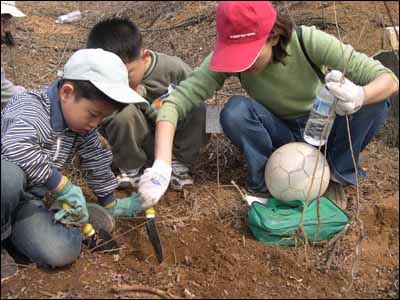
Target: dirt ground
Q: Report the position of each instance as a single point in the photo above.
(209, 251)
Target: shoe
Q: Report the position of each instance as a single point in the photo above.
(334, 178)
(336, 194)
(8, 265)
(263, 194)
(180, 176)
(100, 218)
(129, 179)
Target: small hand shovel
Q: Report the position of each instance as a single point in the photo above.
(98, 240)
(153, 233)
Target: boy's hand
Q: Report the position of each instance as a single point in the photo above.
(153, 183)
(350, 96)
(72, 195)
(125, 207)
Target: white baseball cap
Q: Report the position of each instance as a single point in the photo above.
(105, 70)
(8, 7)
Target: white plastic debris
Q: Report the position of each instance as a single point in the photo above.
(251, 199)
(73, 16)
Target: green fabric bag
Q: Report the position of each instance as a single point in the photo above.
(276, 221)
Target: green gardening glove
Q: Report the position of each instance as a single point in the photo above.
(71, 196)
(125, 207)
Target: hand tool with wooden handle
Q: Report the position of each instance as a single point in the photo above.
(87, 229)
(101, 240)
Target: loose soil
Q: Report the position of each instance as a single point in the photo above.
(209, 251)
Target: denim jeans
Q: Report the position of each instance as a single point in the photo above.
(258, 132)
(30, 225)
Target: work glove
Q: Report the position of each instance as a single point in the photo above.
(77, 212)
(153, 183)
(153, 109)
(125, 207)
(350, 97)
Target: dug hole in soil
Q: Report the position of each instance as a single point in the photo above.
(209, 251)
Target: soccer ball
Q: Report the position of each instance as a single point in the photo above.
(289, 172)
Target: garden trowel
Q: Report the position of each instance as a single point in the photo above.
(99, 240)
(153, 233)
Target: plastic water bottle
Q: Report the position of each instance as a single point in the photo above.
(70, 17)
(321, 118)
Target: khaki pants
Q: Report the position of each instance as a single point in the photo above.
(131, 136)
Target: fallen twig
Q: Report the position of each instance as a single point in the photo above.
(114, 239)
(14, 66)
(59, 61)
(190, 21)
(357, 217)
(333, 240)
(143, 288)
(240, 191)
(46, 293)
(391, 19)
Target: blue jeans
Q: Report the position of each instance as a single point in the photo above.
(31, 226)
(258, 132)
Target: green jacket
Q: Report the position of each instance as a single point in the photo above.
(163, 70)
(287, 90)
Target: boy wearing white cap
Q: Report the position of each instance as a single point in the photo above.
(41, 130)
(8, 10)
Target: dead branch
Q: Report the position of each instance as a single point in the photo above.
(45, 293)
(190, 21)
(333, 240)
(358, 219)
(242, 194)
(116, 238)
(14, 66)
(145, 289)
(59, 62)
(391, 19)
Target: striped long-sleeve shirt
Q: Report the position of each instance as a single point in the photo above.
(34, 136)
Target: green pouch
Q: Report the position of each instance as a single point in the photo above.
(277, 221)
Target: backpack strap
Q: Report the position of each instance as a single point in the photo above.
(316, 69)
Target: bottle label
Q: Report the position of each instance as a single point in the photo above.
(321, 106)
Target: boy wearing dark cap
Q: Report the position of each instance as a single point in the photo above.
(131, 132)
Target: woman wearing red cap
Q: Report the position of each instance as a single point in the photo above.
(262, 49)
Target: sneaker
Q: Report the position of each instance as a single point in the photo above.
(100, 218)
(336, 194)
(129, 179)
(334, 178)
(263, 194)
(180, 176)
(8, 265)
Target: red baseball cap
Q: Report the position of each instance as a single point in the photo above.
(243, 28)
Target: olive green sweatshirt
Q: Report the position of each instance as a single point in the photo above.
(287, 90)
(163, 70)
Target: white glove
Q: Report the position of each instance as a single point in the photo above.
(153, 183)
(350, 96)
